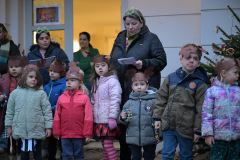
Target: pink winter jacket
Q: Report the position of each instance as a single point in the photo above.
(106, 101)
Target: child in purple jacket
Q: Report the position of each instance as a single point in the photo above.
(221, 112)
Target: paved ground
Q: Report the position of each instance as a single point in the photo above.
(93, 151)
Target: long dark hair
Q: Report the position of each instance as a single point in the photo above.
(88, 37)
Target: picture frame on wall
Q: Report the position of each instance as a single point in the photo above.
(47, 14)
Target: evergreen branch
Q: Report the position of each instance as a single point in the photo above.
(223, 32)
(237, 28)
(234, 13)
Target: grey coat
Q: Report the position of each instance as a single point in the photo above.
(140, 129)
(29, 113)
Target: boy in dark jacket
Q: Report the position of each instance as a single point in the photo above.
(54, 89)
(137, 116)
(178, 105)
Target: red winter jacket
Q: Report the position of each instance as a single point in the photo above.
(73, 116)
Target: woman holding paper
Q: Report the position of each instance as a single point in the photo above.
(85, 57)
(138, 42)
(44, 49)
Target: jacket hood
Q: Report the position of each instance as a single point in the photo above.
(104, 79)
(69, 93)
(41, 88)
(60, 81)
(216, 82)
(149, 94)
(199, 73)
(52, 45)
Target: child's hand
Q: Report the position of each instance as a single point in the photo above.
(196, 138)
(124, 115)
(87, 139)
(48, 132)
(9, 131)
(2, 98)
(157, 124)
(209, 140)
(112, 123)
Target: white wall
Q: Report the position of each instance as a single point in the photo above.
(175, 22)
(180, 22)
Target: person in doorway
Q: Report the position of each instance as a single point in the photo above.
(7, 48)
(138, 42)
(45, 48)
(85, 57)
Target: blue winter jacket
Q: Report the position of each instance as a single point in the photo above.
(53, 50)
(54, 89)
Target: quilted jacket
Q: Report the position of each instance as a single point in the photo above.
(221, 112)
(29, 113)
(106, 101)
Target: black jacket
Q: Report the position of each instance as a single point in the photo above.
(53, 50)
(146, 47)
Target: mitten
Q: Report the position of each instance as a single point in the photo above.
(112, 123)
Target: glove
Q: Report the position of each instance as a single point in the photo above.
(112, 123)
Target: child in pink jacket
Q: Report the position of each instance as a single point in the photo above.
(106, 98)
(73, 118)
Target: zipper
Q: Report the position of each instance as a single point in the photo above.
(229, 112)
(139, 124)
(50, 91)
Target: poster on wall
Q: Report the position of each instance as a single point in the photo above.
(47, 14)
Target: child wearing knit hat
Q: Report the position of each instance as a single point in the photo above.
(55, 88)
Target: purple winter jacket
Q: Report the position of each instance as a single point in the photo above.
(106, 101)
(221, 112)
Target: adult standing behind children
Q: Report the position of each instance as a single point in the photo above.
(7, 48)
(178, 105)
(138, 42)
(85, 57)
(45, 48)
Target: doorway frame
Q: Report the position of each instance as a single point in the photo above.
(67, 26)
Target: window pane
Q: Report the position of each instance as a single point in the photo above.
(48, 12)
(56, 36)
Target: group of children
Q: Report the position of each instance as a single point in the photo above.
(184, 109)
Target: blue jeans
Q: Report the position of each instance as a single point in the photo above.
(170, 141)
(148, 154)
(4, 142)
(72, 147)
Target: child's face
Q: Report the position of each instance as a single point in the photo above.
(54, 75)
(101, 68)
(191, 63)
(31, 79)
(231, 76)
(15, 71)
(73, 84)
(43, 41)
(139, 86)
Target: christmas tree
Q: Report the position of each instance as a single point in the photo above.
(230, 48)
